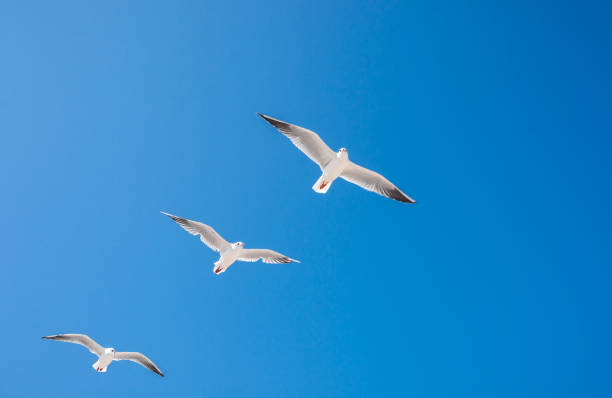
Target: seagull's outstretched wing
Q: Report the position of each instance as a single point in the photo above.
(307, 141)
(81, 339)
(372, 181)
(208, 235)
(138, 358)
(267, 256)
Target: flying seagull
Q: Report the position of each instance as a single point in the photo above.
(335, 164)
(105, 355)
(230, 252)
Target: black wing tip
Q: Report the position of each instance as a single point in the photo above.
(269, 119)
(286, 260)
(155, 370)
(404, 200)
(279, 124)
(398, 195)
(172, 216)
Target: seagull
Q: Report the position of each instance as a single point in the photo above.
(105, 355)
(335, 164)
(230, 252)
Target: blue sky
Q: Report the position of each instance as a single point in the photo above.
(494, 116)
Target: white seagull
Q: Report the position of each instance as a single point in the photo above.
(335, 164)
(230, 252)
(105, 355)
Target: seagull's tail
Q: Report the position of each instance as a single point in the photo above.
(322, 185)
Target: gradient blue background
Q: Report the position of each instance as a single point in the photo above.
(494, 116)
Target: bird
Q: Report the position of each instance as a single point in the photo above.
(105, 355)
(229, 252)
(335, 164)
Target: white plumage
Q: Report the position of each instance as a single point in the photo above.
(105, 355)
(229, 252)
(335, 164)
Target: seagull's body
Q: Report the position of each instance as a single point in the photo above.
(105, 355)
(104, 360)
(335, 164)
(229, 252)
(331, 171)
(228, 256)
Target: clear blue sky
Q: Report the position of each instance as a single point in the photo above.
(494, 116)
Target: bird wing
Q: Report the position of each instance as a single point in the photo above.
(266, 255)
(208, 235)
(306, 140)
(138, 358)
(81, 339)
(372, 181)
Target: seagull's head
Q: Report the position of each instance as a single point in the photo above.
(240, 244)
(110, 351)
(342, 153)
